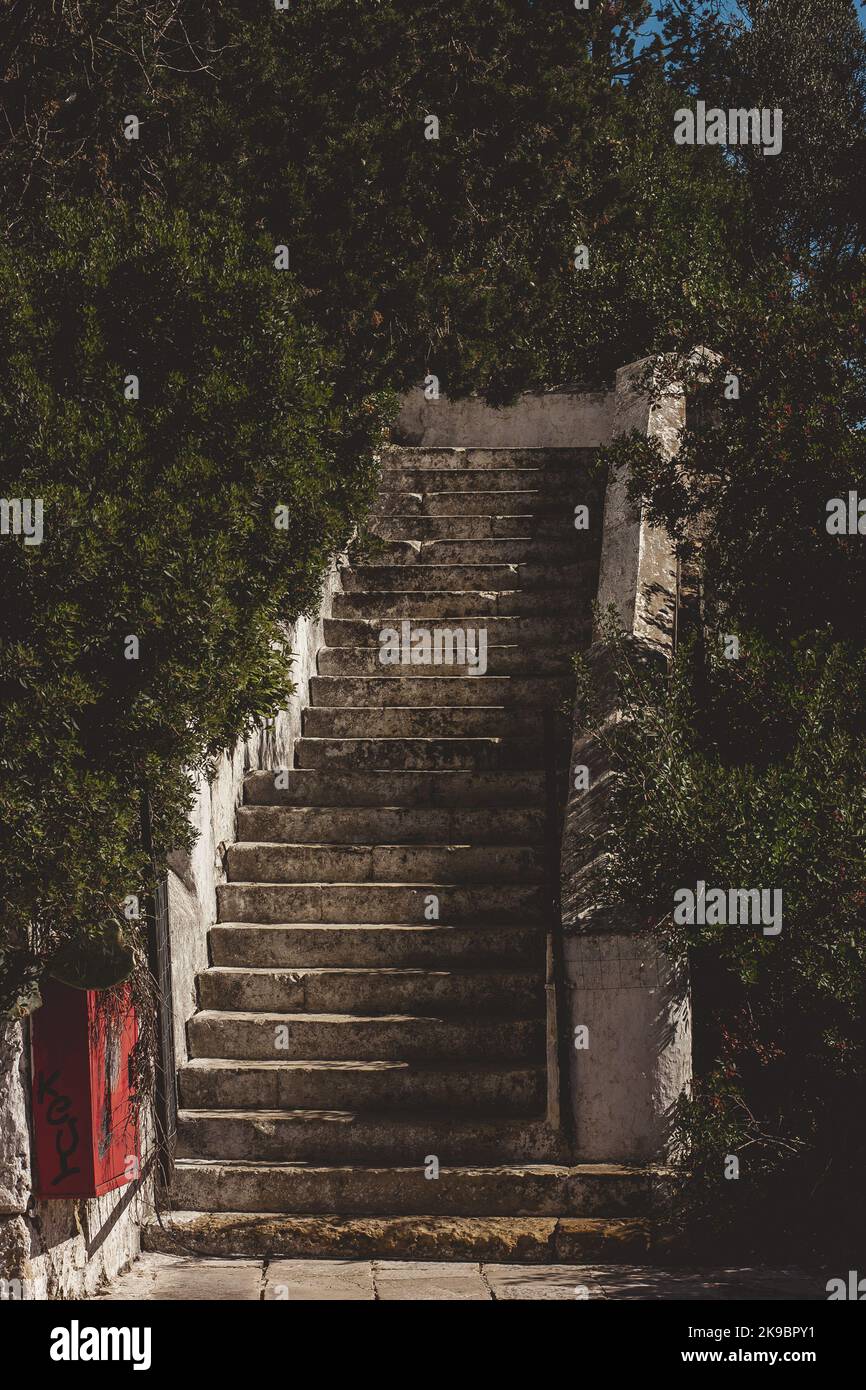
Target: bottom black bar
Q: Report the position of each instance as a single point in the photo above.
(269, 1338)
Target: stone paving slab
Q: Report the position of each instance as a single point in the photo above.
(319, 1280)
(184, 1277)
(425, 1280)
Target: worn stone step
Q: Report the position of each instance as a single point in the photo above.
(309, 787)
(554, 481)
(575, 578)
(480, 1239)
(468, 603)
(531, 502)
(419, 721)
(383, 863)
(368, 990)
(365, 825)
(482, 754)
(500, 550)
(217, 1033)
(304, 944)
(346, 1136)
(378, 691)
(453, 1088)
(531, 499)
(531, 630)
(516, 659)
(376, 902)
(408, 526)
(536, 500)
(518, 1189)
(445, 458)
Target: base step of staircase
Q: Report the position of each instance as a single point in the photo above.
(355, 1189)
(499, 1239)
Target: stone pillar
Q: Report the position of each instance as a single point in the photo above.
(633, 1001)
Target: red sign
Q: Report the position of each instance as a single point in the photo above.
(86, 1136)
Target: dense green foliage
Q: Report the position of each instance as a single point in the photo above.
(748, 773)
(160, 524)
(452, 255)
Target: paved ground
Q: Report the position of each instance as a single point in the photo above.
(180, 1277)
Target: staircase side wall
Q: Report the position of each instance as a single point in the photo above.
(193, 878)
(631, 999)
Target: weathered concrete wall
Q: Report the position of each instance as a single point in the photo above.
(568, 418)
(638, 572)
(633, 1001)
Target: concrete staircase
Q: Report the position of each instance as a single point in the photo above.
(349, 1034)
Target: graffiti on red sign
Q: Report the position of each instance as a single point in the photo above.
(66, 1139)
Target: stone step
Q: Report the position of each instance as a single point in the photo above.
(531, 630)
(515, 659)
(399, 690)
(418, 529)
(479, 1239)
(530, 503)
(469, 603)
(419, 721)
(470, 523)
(376, 902)
(422, 456)
(356, 1037)
(500, 550)
(363, 825)
(481, 754)
(499, 945)
(575, 578)
(525, 1189)
(554, 482)
(383, 863)
(343, 1136)
(414, 790)
(212, 1083)
(370, 990)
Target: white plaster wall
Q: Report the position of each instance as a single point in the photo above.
(635, 1005)
(193, 878)
(638, 571)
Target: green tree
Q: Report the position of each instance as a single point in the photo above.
(159, 525)
(749, 772)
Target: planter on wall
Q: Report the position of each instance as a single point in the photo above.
(85, 1133)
